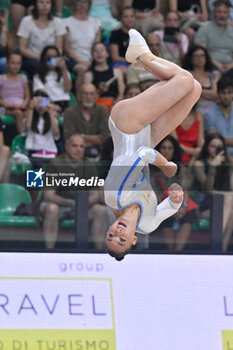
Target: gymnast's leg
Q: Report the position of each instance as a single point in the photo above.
(133, 114)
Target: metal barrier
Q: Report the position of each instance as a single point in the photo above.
(81, 219)
(81, 223)
(216, 220)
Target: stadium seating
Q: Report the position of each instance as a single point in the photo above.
(11, 195)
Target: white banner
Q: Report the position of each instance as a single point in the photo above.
(90, 301)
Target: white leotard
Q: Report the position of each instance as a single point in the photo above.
(128, 180)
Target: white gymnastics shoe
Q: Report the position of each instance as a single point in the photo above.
(137, 46)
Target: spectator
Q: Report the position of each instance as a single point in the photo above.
(6, 43)
(18, 10)
(42, 130)
(120, 39)
(21, 7)
(4, 158)
(14, 91)
(82, 32)
(102, 9)
(148, 15)
(59, 204)
(193, 14)
(89, 119)
(176, 229)
(108, 81)
(174, 44)
(212, 173)
(220, 117)
(190, 135)
(217, 37)
(211, 10)
(132, 90)
(37, 31)
(198, 62)
(53, 77)
(141, 76)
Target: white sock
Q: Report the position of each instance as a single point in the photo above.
(137, 46)
(137, 39)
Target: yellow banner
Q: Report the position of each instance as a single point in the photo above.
(227, 339)
(57, 339)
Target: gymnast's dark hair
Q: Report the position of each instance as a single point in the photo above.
(46, 116)
(187, 62)
(43, 67)
(117, 256)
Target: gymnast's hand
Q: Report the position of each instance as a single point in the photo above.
(169, 169)
(176, 193)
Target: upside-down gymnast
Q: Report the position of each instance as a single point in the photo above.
(137, 125)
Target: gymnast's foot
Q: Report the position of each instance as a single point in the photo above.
(176, 193)
(137, 47)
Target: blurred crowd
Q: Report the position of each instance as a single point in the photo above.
(63, 67)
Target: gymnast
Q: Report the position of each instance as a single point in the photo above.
(137, 125)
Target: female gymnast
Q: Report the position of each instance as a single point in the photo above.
(137, 125)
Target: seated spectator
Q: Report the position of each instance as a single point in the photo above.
(108, 81)
(193, 14)
(37, 31)
(89, 119)
(119, 39)
(148, 15)
(141, 76)
(190, 135)
(82, 32)
(59, 204)
(103, 9)
(14, 91)
(42, 130)
(174, 43)
(198, 62)
(176, 229)
(217, 37)
(210, 4)
(132, 90)
(53, 77)
(220, 117)
(6, 42)
(5, 153)
(21, 7)
(212, 173)
(18, 10)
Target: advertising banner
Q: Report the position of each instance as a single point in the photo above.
(90, 301)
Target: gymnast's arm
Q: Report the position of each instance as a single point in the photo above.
(166, 209)
(151, 156)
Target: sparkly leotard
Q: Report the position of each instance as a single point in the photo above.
(128, 180)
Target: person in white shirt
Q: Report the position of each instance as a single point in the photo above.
(42, 129)
(137, 125)
(82, 32)
(53, 77)
(175, 45)
(37, 31)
